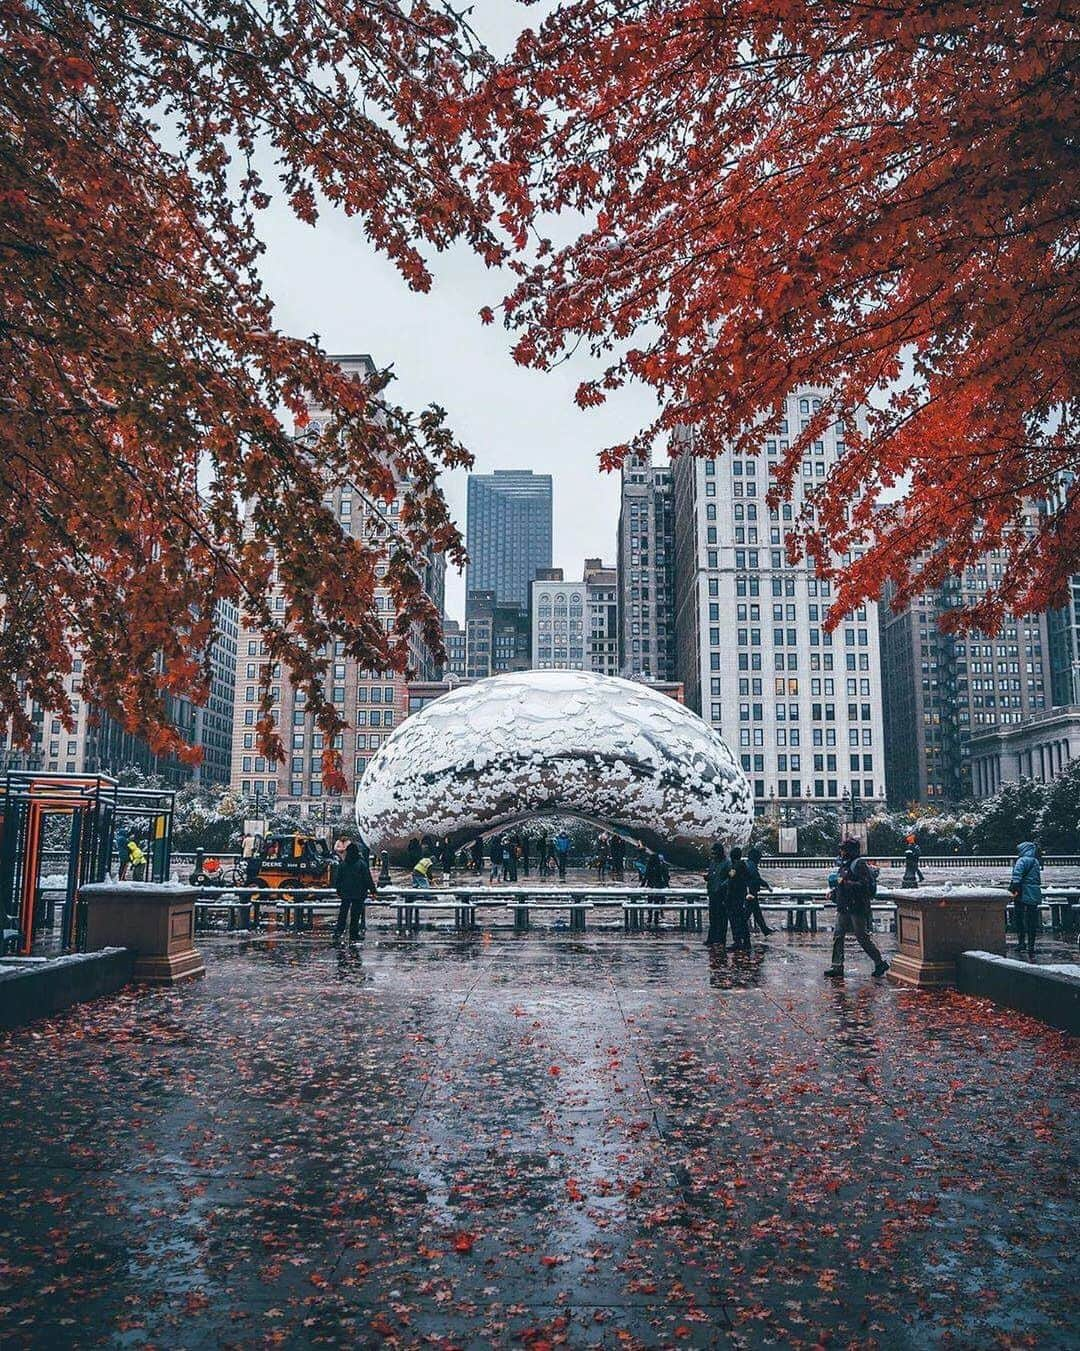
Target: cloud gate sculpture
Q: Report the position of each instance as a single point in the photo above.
(515, 746)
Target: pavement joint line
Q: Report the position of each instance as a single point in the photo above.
(840, 1061)
(682, 1187)
(440, 1047)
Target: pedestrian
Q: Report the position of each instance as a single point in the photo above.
(413, 852)
(618, 857)
(603, 855)
(735, 900)
(478, 855)
(543, 854)
(716, 887)
(511, 857)
(253, 860)
(1026, 888)
(524, 854)
(657, 877)
(354, 883)
(496, 853)
(136, 860)
(913, 875)
(561, 845)
(856, 885)
(446, 857)
(422, 870)
(757, 884)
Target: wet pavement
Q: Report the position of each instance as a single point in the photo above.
(534, 1140)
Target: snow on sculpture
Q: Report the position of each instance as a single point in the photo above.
(514, 746)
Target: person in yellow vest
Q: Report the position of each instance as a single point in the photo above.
(422, 870)
(136, 860)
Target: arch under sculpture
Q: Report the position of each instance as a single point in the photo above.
(520, 745)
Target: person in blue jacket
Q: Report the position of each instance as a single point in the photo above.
(1026, 886)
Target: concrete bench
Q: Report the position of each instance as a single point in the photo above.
(648, 910)
(576, 906)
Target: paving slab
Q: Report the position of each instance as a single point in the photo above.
(530, 1140)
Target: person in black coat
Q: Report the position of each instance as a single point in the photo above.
(716, 881)
(757, 884)
(618, 857)
(738, 887)
(354, 883)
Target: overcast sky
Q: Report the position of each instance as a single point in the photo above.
(329, 280)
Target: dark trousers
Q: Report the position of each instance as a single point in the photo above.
(718, 921)
(855, 922)
(560, 860)
(353, 911)
(739, 917)
(754, 906)
(1027, 924)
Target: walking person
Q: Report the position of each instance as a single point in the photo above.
(354, 883)
(854, 890)
(543, 854)
(657, 877)
(913, 876)
(618, 857)
(1026, 888)
(446, 858)
(524, 854)
(738, 887)
(496, 856)
(477, 856)
(716, 881)
(561, 845)
(757, 884)
(603, 853)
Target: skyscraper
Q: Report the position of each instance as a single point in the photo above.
(574, 624)
(98, 744)
(943, 688)
(645, 571)
(371, 702)
(508, 533)
(799, 706)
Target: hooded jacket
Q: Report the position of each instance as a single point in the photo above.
(1026, 880)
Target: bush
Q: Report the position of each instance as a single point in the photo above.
(1012, 815)
(1059, 823)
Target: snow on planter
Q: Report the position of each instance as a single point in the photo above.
(540, 742)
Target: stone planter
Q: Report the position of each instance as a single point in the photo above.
(155, 920)
(933, 927)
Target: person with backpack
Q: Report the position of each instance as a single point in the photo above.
(855, 888)
(354, 883)
(757, 884)
(1025, 886)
